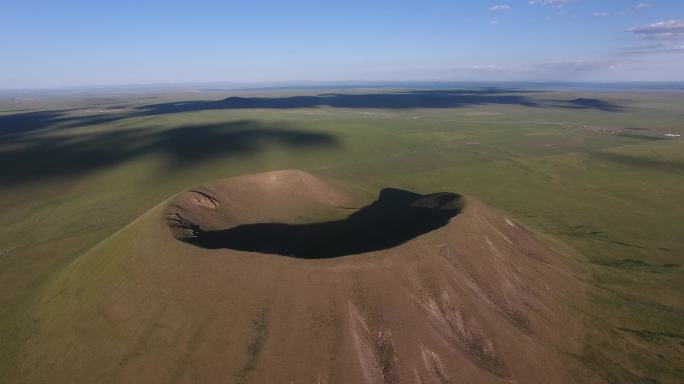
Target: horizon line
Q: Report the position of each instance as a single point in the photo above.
(264, 85)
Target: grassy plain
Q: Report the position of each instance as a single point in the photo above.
(592, 172)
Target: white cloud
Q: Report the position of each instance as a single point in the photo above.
(644, 6)
(550, 3)
(494, 22)
(600, 14)
(664, 30)
(499, 8)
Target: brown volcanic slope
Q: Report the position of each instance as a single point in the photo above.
(263, 279)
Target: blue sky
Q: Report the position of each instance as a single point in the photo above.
(59, 43)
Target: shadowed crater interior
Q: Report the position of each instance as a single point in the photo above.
(394, 218)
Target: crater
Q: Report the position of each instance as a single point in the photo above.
(395, 217)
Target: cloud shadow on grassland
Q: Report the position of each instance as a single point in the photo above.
(396, 100)
(641, 161)
(15, 125)
(55, 156)
(390, 100)
(589, 103)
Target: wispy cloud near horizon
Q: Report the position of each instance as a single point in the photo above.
(660, 47)
(580, 65)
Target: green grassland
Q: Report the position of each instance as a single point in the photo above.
(592, 173)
